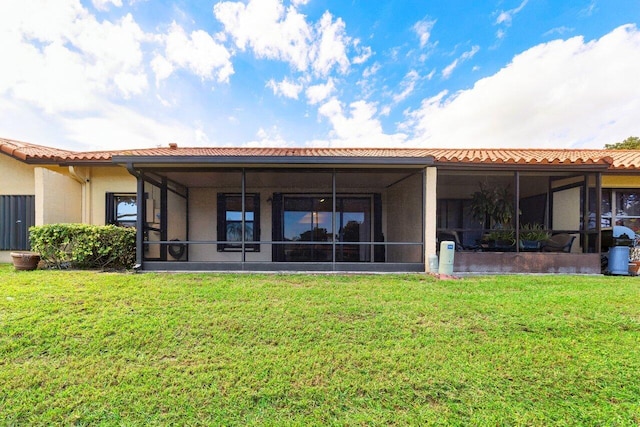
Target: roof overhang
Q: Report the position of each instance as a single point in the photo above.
(539, 167)
(272, 161)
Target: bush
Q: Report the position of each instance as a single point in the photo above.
(84, 246)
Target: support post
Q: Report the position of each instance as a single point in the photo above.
(430, 210)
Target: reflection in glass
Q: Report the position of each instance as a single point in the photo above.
(126, 210)
(309, 219)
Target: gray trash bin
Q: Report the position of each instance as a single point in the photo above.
(619, 260)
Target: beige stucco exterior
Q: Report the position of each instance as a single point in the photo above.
(58, 198)
(409, 200)
(114, 179)
(620, 181)
(17, 177)
(430, 214)
(63, 194)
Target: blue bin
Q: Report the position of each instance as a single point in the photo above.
(619, 260)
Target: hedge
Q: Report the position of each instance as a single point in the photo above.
(84, 246)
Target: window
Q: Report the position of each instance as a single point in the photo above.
(624, 208)
(230, 222)
(17, 214)
(306, 222)
(122, 209)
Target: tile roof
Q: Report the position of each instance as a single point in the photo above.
(29, 152)
(613, 159)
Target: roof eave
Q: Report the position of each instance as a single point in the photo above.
(276, 160)
(521, 167)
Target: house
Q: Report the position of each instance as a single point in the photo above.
(325, 209)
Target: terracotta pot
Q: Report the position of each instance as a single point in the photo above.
(634, 268)
(25, 260)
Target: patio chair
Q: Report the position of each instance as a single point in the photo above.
(558, 243)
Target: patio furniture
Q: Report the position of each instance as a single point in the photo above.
(558, 243)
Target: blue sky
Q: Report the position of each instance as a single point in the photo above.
(114, 74)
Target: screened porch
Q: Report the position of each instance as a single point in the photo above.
(289, 219)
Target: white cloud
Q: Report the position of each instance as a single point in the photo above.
(269, 137)
(77, 70)
(423, 30)
(590, 9)
(285, 88)
(121, 128)
(162, 68)
(198, 52)
(558, 30)
(320, 92)
(565, 93)
(270, 30)
(505, 17)
(370, 71)
(104, 4)
(330, 50)
(63, 59)
(408, 84)
(358, 128)
(364, 53)
(446, 72)
(274, 32)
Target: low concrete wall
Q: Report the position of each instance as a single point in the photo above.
(526, 262)
(5, 257)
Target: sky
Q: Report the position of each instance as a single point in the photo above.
(121, 74)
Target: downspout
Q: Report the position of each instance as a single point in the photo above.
(140, 215)
(84, 179)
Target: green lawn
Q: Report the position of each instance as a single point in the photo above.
(92, 348)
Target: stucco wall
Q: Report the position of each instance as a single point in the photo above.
(114, 179)
(176, 218)
(58, 198)
(430, 213)
(566, 213)
(203, 213)
(17, 177)
(621, 181)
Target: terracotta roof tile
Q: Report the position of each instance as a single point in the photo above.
(29, 152)
(616, 159)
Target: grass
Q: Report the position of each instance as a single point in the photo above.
(91, 348)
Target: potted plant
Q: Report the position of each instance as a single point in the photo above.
(503, 239)
(634, 260)
(532, 236)
(492, 207)
(25, 260)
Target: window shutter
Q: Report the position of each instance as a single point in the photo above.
(109, 215)
(17, 214)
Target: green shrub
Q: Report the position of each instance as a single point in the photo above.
(84, 246)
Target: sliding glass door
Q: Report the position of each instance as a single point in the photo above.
(307, 222)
